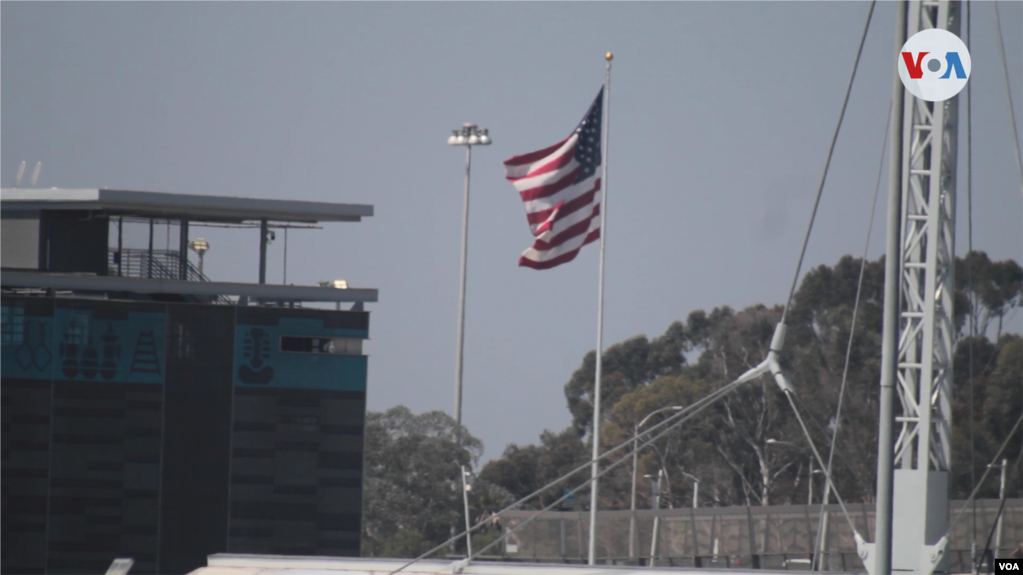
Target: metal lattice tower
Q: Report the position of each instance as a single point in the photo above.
(926, 330)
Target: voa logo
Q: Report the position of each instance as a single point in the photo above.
(934, 65)
(1007, 565)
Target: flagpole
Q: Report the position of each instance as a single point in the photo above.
(595, 466)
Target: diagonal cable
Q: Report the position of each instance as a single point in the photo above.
(820, 461)
(827, 162)
(1008, 93)
(852, 327)
(719, 394)
(672, 420)
(976, 488)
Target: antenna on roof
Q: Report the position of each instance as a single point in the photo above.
(21, 172)
(35, 174)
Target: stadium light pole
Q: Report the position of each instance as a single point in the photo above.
(468, 135)
(635, 451)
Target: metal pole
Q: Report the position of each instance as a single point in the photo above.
(468, 522)
(262, 251)
(183, 250)
(892, 304)
(461, 292)
(809, 482)
(657, 522)
(696, 494)
(120, 244)
(635, 465)
(595, 466)
(150, 269)
(632, 505)
(823, 537)
(1001, 496)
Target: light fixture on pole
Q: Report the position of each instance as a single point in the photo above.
(696, 489)
(468, 135)
(655, 486)
(635, 451)
(199, 246)
(822, 530)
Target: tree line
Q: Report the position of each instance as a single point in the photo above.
(746, 449)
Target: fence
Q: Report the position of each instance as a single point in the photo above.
(773, 537)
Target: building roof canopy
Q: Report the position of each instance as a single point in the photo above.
(180, 206)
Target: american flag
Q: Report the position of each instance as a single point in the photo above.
(559, 186)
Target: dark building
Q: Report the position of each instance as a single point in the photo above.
(150, 413)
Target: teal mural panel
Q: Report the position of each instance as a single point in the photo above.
(125, 350)
(259, 361)
(26, 344)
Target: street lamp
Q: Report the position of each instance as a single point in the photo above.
(468, 135)
(696, 488)
(655, 487)
(822, 531)
(811, 470)
(635, 451)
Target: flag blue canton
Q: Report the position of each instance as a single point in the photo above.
(587, 151)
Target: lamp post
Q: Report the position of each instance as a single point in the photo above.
(468, 135)
(655, 487)
(817, 554)
(1001, 495)
(635, 451)
(810, 471)
(696, 489)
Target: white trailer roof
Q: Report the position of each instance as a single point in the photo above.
(235, 564)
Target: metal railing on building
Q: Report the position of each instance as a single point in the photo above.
(157, 264)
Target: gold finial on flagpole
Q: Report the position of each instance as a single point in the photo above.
(609, 56)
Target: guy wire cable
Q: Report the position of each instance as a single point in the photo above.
(845, 460)
(689, 410)
(994, 524)
(1008, 93)
(969, 281)
(852, 327)
(820, 461)
(976, 488)
(727, 389)
(735, 383)
(827, 163)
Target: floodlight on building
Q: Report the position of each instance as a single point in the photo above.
(199, 246)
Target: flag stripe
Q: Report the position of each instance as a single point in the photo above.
(544, 168)
(526, 184)
(533, 157)
(547, 190)
(560, 259)
(571, 230)
(567, 207)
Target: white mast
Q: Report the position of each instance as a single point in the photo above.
(926, 335)
(595, 466)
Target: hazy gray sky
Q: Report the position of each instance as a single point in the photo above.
(721, 114)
